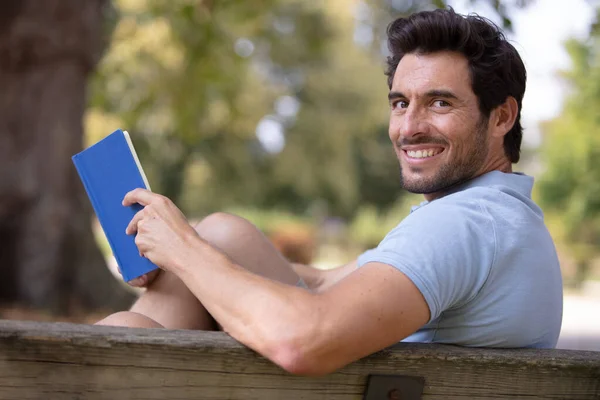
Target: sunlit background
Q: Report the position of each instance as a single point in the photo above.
(276, 110)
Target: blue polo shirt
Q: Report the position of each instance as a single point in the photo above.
(485, 263)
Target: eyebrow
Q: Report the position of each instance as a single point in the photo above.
(441, 93)
(395, 95)
(432, 93)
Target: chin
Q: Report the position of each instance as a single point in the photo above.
(414, 185)
(419, 184)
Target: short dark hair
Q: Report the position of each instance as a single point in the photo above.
(497, 70)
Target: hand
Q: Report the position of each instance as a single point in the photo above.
(164, 235)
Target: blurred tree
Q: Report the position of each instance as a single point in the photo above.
(191, 79)
(48, 256)
(571, 182)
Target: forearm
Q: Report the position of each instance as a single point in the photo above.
(261, 313)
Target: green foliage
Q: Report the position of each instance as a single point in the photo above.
(571, 183)
(173, 78)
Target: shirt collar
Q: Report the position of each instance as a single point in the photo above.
(517, 181)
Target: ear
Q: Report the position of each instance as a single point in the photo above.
(503, 117)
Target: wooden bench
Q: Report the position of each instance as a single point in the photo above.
(69, 361)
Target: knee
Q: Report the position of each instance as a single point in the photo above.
(222, 228)
(129, 319)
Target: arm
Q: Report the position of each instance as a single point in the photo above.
(304, 332)
(307, 333)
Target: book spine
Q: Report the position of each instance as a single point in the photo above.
(136, 159)
(96, 205)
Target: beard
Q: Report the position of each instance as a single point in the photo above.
(455, 171)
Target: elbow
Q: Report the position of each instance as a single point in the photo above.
(298, 361)
(306, 353)
(301, 345)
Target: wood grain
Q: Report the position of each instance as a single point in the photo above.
(69, 361)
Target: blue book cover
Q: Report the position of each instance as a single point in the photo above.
(109, 169)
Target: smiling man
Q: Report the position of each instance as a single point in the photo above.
(472, 265)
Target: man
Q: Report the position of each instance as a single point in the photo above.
(473, 265)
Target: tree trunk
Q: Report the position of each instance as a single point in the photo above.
(48, 256)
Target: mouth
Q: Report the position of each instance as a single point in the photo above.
(423, 153)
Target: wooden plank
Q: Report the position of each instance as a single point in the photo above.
(68, 361)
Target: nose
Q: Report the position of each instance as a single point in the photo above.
(413, 123)
(408, 124)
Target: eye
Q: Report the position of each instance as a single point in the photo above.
(441, 103)
(399, 104)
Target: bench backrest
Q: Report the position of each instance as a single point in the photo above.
(68, 361)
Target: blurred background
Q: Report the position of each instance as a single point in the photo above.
(275, 110)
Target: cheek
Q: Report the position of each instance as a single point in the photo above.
(394, 131)
(447, 124)
(454, 130)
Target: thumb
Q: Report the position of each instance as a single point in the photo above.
(144, 280)
(140, 281)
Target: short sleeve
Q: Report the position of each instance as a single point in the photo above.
(446, 248)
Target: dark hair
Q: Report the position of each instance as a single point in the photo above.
(497, 70)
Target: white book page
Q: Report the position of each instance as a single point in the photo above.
(137, 160)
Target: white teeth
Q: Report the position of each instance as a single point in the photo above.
(423, 153)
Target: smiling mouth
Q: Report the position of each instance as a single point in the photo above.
(424, 153)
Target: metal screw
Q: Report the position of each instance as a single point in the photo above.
(394, 394)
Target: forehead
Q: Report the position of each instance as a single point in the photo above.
(419, 73)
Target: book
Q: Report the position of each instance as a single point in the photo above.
(110, 169)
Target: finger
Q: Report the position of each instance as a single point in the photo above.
(152, 275)
(133, 224)
(139, 196)
(139, 244)
(140, 281)
(144, 280)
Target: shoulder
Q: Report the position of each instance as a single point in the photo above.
(454, 216)
(446, 248)
(446, 235)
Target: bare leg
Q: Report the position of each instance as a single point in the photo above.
(168, 302)
(130, 318)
